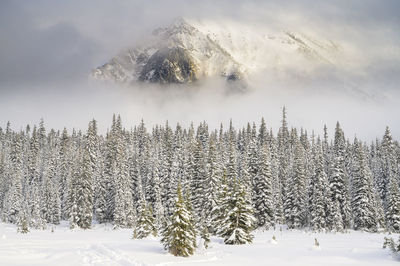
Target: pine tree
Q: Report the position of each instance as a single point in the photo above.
(14, 196)
(33, 185)
(318, 197)
(335, 218)
(263, 186)
(219, 212)
(363, 198)
(101, 199)
(71, 201)
(64, 171)
(84, 192)
(23, 224)
(205, 236)
(239, 222)
(180, 238)
(253, 162)
(393, 207)
(338, 181)
(124, 212)
(284, 165)
(387, 165)
(296, 197)
(145, 224)
(212, 182)
(197, 182)
(125, 175)
(51, 209)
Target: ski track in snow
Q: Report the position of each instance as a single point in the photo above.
(98, 254)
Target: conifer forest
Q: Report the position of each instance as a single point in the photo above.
(179, 183)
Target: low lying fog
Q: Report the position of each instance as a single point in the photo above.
(48, 50)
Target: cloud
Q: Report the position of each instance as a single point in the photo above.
(31, 54)
(48, 48)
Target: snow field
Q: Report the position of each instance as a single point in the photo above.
(104, 246)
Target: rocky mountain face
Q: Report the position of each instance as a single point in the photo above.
(170, 65)
(185, 52)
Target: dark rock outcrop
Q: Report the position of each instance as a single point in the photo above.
(170, 65)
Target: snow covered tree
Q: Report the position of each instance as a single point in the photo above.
(180, 237)
(263, 190)
(392, 245)
(284, 154)
(318, 195)
(393, 207)
(219, 211)
(197, 182)
(338, 180)
(14, 197)
(145, 224)
(23, 224)
(205, 236)
(212, 182)
(124, 213)
(239, 221)
(296, 200)
(129, 178)
(363, 197)
(387, 164)
(335, 219)
(73, 182)
(84, 192)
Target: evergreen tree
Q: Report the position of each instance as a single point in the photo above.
(338, 181)
(124, 212)
(212, 182)
(231, 174)
(72, 198)
(363, 198)
(205, 236)
(387, 165)
(145, 224)
(14, 196)
(297, 190)
(263, 186)
(180, 238)
(219, 212)
(84, 192)
(393, 207)
(318, 197)
(239, 222)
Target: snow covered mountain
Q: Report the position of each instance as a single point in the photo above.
(188, 51)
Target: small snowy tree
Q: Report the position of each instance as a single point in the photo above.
(392, 245)
(180, 238)
(145, 223)
(23, 224)
(239, 222)
(205, 236)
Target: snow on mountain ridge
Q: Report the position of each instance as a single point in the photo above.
(210, 49)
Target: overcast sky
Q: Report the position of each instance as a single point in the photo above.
(48, 48)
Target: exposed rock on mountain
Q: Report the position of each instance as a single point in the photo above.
(170, 65)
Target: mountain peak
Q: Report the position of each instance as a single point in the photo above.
(183, 52)
(179, 26)
(180, 22)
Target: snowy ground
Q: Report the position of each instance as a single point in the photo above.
(104, 246)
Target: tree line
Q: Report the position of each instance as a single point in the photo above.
(182, 182)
